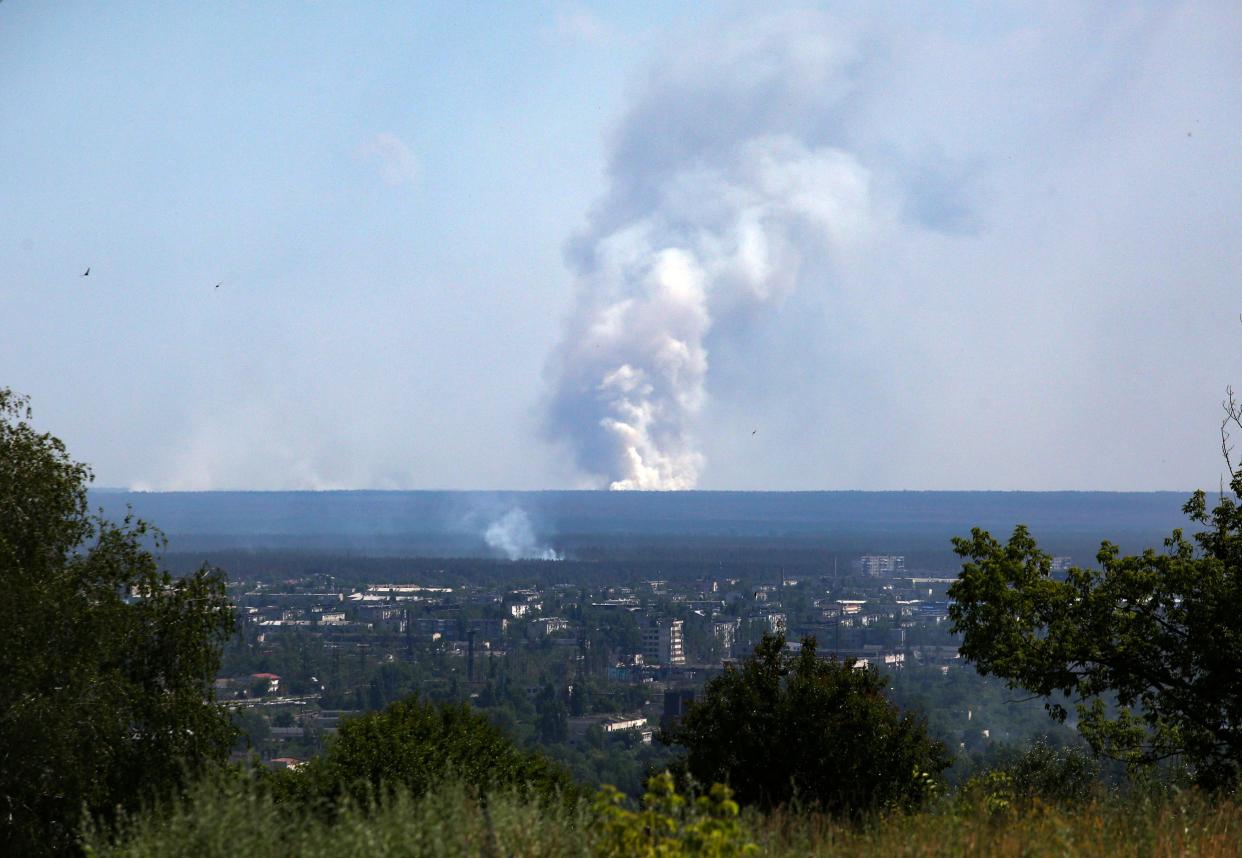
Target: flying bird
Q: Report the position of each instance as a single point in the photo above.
(221, 283)
(87, 272)
(753, 431)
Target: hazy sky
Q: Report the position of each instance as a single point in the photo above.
(542, 245)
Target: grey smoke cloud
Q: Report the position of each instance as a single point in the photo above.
(914, 251)
(947, 248)
(513, 536)
(716, 210)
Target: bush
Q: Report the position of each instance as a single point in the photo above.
(1064, 777)
(414, 746)
(670, 826)
(790, 728)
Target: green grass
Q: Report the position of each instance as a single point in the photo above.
(231, 817)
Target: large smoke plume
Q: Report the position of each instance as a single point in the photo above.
(722, 201)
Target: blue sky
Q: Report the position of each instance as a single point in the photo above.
(996, 249)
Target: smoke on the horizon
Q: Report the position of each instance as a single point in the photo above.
(513, 536)
(845, 249)
(719, 205)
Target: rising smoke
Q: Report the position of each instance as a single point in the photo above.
(513, 536)
(722, 201)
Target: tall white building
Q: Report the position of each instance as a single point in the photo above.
(664, 642)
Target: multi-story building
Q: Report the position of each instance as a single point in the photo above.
(546, 626)
(726, 636)
(776, 622)
(664, 642)
(877, 565)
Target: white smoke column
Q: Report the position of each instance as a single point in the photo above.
(725, 232)
(514, 537)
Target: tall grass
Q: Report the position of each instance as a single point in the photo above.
(1182, 824)
(233, 818)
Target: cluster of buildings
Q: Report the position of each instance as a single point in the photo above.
(663, 637)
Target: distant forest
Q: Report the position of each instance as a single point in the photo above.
(794, 530)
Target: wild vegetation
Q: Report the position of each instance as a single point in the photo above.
(222, 820)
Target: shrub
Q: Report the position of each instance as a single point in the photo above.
(668, 825)
(414, 746)
(1064, 777)
(797, 727)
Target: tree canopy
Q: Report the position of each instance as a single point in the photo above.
(414, 746)
(107, 661)
(1146, 645)
(794, 726)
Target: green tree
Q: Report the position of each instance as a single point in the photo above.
(796, 726)
(580, 698)
(415, 746)
(1146, 646)
(552, 721)
(107, 664)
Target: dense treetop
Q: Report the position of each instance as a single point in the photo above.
(792, 726)
(1146, 645)
(107, 663)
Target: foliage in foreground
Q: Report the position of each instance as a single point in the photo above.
(230, 817)
(224, 818)
(669, 825)
(107, 661)
(1158, 633)
(788, 728)
(1065, 777)
(413, 746)
(1181, 825)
